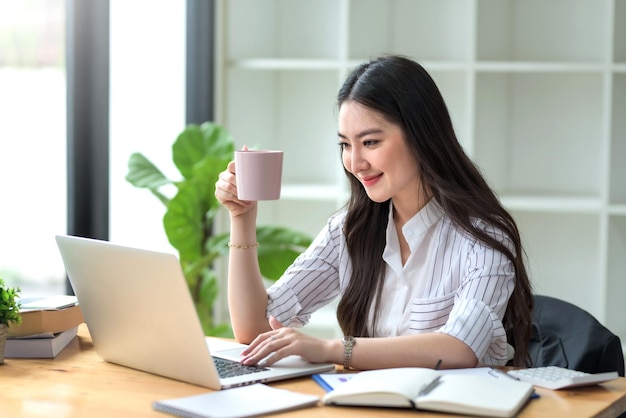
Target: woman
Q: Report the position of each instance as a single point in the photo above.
(428, 265)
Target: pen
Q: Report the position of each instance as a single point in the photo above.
(426, 389)
(320, 381)
(498, 374)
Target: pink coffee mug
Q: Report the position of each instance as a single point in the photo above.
(258, 174)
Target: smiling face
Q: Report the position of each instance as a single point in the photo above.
(375, 151)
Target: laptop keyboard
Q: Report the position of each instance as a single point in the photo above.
(229, 368)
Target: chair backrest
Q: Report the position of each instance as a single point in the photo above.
(566, 335)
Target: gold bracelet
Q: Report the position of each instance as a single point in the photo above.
(243, 246)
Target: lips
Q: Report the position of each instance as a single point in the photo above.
(370, 180)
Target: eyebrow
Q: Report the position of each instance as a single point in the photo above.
(363, 133)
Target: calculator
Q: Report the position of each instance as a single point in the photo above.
(553, 377)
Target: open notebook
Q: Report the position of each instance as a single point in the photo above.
(468, 392)
(140, 314)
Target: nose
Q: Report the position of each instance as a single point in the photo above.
(357, 161)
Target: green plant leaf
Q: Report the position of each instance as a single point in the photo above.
(183, 223)
(9, 304)
(218, 244)
(197, 142)
(143, 174)
(282, 237)
(219, 142)
(205, 175)
(224, 331)
(214, 247)
(278, 248)
(189, 215)
(209, 289)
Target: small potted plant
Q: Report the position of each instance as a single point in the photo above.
(9, 313)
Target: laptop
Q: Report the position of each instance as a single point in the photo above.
(140, 314)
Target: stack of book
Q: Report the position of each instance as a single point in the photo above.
(48, 326)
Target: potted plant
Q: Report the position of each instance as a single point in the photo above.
(200, 153)
(9, 313)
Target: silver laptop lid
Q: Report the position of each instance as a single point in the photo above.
(138, 309)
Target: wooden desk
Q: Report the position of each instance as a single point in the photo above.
(80, 384)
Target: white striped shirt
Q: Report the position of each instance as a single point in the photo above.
(451, 283)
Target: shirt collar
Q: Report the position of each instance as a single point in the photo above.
(413, 228)
(422, 220)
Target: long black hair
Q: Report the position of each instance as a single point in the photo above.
(403, 92)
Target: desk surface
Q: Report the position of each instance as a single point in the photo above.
(78, 383)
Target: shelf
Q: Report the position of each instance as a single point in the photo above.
(563, 251)
(455, 90)
(616, 285)
(617, 210)
(619, 27)
(539, 132)
(431, 30)
(536, 91)
(540, 67)
(548, 204)
(313, 192)
(564, 30)
(281, 29)
(429, 65)
(285, 64)
(274, 109)
(618, 141)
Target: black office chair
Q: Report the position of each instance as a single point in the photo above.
(567, 336)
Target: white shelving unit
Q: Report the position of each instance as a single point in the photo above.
(536, 90)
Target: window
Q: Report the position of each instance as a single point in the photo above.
(147, 111)
(33, 144)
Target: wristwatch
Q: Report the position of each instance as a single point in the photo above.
(348, 343)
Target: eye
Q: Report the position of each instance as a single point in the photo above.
(343, 145)
(370, 142)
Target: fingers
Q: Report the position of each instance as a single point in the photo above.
(272, 346)
(267, 349)
(272, 357)
(226, 185)
(226, 191)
